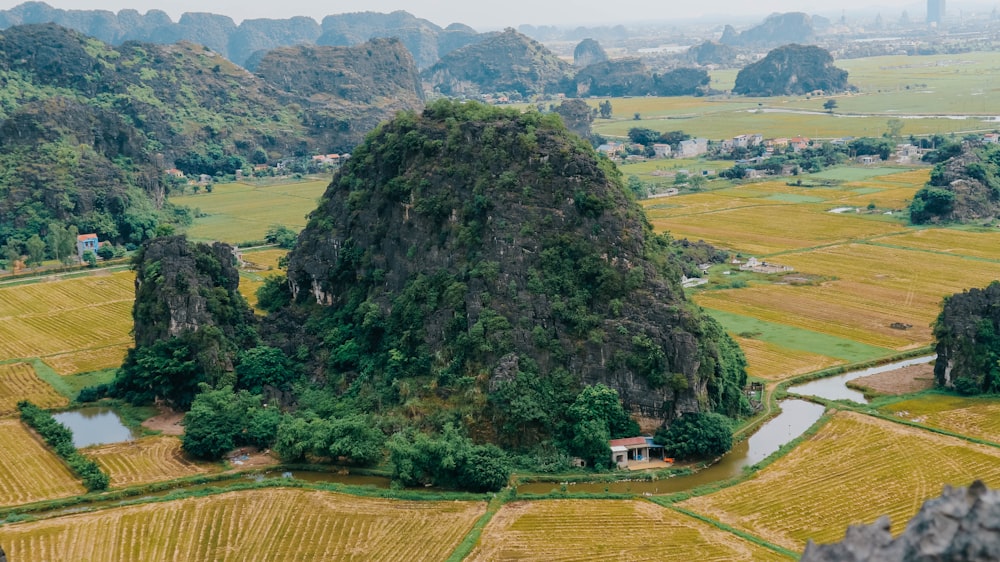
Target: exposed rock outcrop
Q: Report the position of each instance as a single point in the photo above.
(588, 52)
(504, 62)
(485, 238)
(968, 341)
(963, 525)
(962, 188)
(776, 29)
(791, 70)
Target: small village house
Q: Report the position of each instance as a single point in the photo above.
(634, 449)
(86, 243)
(661, 150)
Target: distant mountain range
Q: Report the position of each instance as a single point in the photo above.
(426, 41)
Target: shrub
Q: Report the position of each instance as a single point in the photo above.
(697, 435)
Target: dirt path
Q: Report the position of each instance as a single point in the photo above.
(900, 381)
(167, 422)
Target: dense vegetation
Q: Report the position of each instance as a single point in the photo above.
(791, 70)
(87, 130)
(473, 278)
(60, 438)
(964, 185)
(700, 435)
(968, 341)
(190, 322)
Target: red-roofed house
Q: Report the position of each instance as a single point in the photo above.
(86, 242)
(633, 449)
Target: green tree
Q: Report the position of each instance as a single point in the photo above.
(702, 435)
(36, 250)
(829, 105)
(895, 127)
(61, 241)
(11, 255)
(90, 258)
(220, 420)
(605, 109)
(261, 366)
(281, 235)
(636, 186)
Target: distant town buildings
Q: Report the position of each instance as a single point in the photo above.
(935, 12)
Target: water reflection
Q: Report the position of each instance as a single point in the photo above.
(835, 388)
(95, 426)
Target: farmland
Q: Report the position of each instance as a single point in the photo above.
(239, 212)
(83, 320)
(268, 524)
(28, 471)
(146, 460)
(604, 530)
(975, 417)
(855, 469)
(18, 381)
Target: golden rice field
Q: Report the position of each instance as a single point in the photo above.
(606, 530)
(146, 460)
(855, 469)
(979, 244)
(18, 381)
(28, 471)
(264, 260)
(70, 315)
(974, 417)
(88, 360)
(270, 524)
(855, 312)
(904, 278)
(768, 229)
(768, 361)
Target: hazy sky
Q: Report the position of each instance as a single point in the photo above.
(496, 14)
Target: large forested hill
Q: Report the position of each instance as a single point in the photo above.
(488, 262)
(88, 129)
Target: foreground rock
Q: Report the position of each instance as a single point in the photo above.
(961, 525)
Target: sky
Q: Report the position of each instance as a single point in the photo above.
(497, 14)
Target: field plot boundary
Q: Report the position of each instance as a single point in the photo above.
(866, 478)
(312, 522)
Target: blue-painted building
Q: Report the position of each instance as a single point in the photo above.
(85, 242)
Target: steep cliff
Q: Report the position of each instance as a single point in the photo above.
(776, 29)
(348, 89)
(190, 321)
(968, 341)
(503, 62)
(484, 256)
(791, 70)
(962, 188)
(588, 52)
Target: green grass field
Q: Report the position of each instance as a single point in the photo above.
(934, 94)
(240, 212)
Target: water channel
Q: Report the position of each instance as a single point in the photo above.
(95, 425)
(835, 388)
(795, 418)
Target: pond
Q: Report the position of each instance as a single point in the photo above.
(95, 425)
(835, 388)
(795, 418)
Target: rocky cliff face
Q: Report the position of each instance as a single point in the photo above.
(504, 62)
(190, 321)
(791, 70)
(426, 41)
(963, 525)
(349, 89)
(776, 29)
(588, 52)
(968, 341)
(471, 245)
(963, 188)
